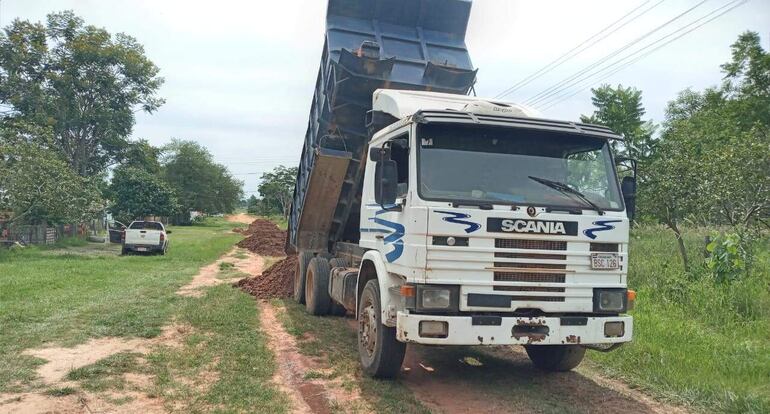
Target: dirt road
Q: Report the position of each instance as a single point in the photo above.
(240, 218)
(457, 380)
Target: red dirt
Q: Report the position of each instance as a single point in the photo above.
(265, 238)
(276, 282)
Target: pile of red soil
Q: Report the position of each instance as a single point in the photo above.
(265, 238)
(275, 282)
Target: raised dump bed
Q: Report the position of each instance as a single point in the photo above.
(370, 44)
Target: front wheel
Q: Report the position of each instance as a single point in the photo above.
(555, 358)
(381, 353)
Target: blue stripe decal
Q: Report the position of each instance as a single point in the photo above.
(603, 225)
(393, 238)
(455, 218)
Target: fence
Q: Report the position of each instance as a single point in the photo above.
(48, 234)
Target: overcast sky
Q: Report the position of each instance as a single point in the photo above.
(240, 74)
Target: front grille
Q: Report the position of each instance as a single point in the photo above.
(531, 256)
(531, 265)
(604, 247)
(529, 277)
(529, 289)
(540, 273)
(530, 244)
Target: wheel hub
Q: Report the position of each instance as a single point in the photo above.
(367, 328)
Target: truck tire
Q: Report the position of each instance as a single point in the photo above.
(380, 352)
(555, 358)
(303, 258)
(335, 309)
(123, 251)
(317, 300)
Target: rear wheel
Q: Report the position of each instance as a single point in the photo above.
(381, 353)
(335, 308)
(317, 300)
(303, 258)
(555, 358)
(123, 251)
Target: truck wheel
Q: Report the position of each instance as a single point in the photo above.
(303, 258)
(335, 309)
(381, 353)
(317, 300)
(123, 251)
(555, 358)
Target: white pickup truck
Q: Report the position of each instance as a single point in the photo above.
(145, 236)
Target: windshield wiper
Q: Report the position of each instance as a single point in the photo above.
(480, 205)
(565, 189)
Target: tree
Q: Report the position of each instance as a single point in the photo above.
(199, 182)
(81, 81)
(621, 110)
(39, 187)
(714, 153)
(277, 190)
(140, 154)
(252, 205)
(135, 193)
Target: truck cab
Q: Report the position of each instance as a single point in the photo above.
(491, 227)
(481, 224)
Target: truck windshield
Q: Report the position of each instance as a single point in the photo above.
(495, 165)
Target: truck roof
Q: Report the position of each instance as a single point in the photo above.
(402, 103)
(448, 108)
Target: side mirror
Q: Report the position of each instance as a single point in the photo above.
(379, 154)
(628, 187)
(385, 182)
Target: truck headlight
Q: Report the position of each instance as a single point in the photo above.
(610, 300)
(437, 297)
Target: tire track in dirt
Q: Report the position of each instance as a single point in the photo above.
(241, 260)
(502, 379)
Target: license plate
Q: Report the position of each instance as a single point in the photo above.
(604, 261)
(141, 249)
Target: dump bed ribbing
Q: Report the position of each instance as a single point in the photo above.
(370, 44)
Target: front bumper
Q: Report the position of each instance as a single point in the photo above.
(513, 330)
(144, 247)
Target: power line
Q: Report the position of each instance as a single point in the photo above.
(569, 54)
(627, 64)
(558, 87)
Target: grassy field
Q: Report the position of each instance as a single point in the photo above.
(69, 293)
(696, 341)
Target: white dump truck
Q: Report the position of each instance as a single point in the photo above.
(438, 218)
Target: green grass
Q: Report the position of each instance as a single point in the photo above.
(332, 333)
(696, 342)
(60, 391)
(107, 373)
(68, 294)
(224, 363)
